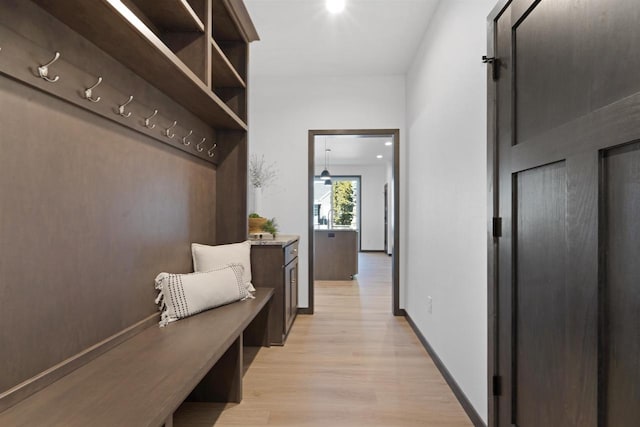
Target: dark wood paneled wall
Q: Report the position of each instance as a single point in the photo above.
(90, 213)
(542, 298)
(622, 292)
(232, 188)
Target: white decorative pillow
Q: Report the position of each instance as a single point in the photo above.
(183, 295)
(206, 258)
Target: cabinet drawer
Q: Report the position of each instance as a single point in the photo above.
(290, 252)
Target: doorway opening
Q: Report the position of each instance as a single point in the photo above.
(339, 207)
(337, 204)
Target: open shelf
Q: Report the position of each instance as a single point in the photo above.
(235, 98)
(223, 73)
(190, 48)
(236, 53)
(178, 25)
(125, 36)
(231, 22)
(171, 15)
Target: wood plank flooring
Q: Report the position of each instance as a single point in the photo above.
(350, 364)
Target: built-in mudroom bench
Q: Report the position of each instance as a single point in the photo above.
(144, 380)
(124, 141)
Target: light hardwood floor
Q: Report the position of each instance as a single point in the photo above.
(350, 364)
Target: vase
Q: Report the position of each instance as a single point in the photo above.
(257, 200)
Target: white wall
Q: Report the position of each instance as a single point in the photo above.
(373, 178)
(281, 112)
(446, 211)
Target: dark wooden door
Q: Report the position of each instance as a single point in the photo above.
(564, 115)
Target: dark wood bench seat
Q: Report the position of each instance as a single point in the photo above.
(142, 381)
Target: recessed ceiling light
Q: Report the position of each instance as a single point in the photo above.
(379, 156)
(388, 143)
(335, 6)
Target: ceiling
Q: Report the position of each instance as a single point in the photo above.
(371, 37)
(353, 150)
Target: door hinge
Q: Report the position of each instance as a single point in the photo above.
(497, 227)
(497, 385)
(495, 66)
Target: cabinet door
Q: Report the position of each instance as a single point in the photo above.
(294, 290)
(290, 280)
(267, 271)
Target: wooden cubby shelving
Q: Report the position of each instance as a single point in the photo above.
(195, 52)
(170, 45)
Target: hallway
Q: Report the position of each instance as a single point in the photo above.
(350, 364)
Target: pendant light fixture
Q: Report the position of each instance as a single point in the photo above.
(325, 175)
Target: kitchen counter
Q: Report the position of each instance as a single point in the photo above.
(279, 240)
(335, 254)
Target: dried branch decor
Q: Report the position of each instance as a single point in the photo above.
(261, 173)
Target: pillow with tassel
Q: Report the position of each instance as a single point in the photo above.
(183, 295)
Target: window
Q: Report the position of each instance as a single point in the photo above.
(337, 205)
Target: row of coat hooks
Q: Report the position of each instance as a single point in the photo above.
(169, 132)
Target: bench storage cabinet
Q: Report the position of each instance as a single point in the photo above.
(274, 264)
(142, 381)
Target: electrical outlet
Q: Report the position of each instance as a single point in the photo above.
(429, 305)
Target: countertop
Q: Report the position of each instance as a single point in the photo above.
(280, 240)
(339, 230)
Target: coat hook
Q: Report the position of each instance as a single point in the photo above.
(211, 151)
(88, 91)
(167, 132)
(43, 70)
(121, 108)
(198, 146)
(184, 138)
(147, 123)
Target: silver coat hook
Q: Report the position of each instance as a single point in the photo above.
(198, 145)
(167, 132)
(211, 151)
(184, 138)
(88, 92)
(147, 123)
(43, 70)
(121, 108)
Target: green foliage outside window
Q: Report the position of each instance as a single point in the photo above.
(343, 202)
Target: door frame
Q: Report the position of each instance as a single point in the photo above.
(395, 133)
(493, 203)
(386, 218)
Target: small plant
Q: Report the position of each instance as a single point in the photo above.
(254, 215)
(271, 226)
